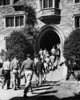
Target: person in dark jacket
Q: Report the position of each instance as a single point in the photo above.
(39, 68)
(70, 64)
(27, 66)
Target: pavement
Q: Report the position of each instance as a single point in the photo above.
(53, 89)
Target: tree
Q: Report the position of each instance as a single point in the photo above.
(21, 43)
(31, 20)
(72, 47)
(18, 46)
(30, 14)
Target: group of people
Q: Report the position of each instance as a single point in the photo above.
(12, 72)
(45, 62)
(42, 63)
(50, 59)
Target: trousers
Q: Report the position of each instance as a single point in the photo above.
(16, 79)
(6, 78)
(28, 78)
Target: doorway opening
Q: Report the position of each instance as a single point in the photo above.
(49, 39)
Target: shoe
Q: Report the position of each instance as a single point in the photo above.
(44, 80)
(25, 96)
(37, 84)
(15, 89)
(8, 88)
(19, 87)
(2, 87)
(31, 91)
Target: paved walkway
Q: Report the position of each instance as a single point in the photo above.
(53, 88)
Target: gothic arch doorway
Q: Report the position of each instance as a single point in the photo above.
(49, 39)
(49, 36)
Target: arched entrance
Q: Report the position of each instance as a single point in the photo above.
(49, 36)
(49, 39)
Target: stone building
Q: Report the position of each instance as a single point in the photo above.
(56, 20)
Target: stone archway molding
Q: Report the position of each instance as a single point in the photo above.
(46, 28)
(56, 29)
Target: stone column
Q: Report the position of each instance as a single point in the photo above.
(53, 3)
(24, 20)
(11, 2)
(4, 22)
(14, 21)
(38, 2)
(62, 59)
(42, 4)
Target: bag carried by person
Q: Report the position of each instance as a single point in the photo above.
(78, 77)
(2, 71)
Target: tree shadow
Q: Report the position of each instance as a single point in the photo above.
(46, 85)
(45, 88)
(38, 97)
(48, 94)
(45, 92)
(48, 97)
(77, 97)
(38, 87)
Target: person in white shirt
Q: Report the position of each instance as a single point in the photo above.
(53, 50)
(40, 52)
(6, 68)
(35, 60)
(52, 59)
(45, 70)
(15, 72)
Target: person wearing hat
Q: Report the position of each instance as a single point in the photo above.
(27, 66)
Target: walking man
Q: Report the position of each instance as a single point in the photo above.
(71, 64)
(6, 69)
(39, 68)
(27, 66)
(15, 72)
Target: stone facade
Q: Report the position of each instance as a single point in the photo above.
(9, 10)
(68, 9)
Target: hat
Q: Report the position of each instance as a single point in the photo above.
(28, 55)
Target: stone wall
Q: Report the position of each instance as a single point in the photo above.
(9, 10)
(3, 11)
(68, 9)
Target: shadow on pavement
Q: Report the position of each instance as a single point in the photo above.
(46, 85)
(51, 97)
(37, 89)
(46, 92)
(49, 94)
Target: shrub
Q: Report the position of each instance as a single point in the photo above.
(18, 45)
(21, 43)
(30, 14)
(72, 47)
